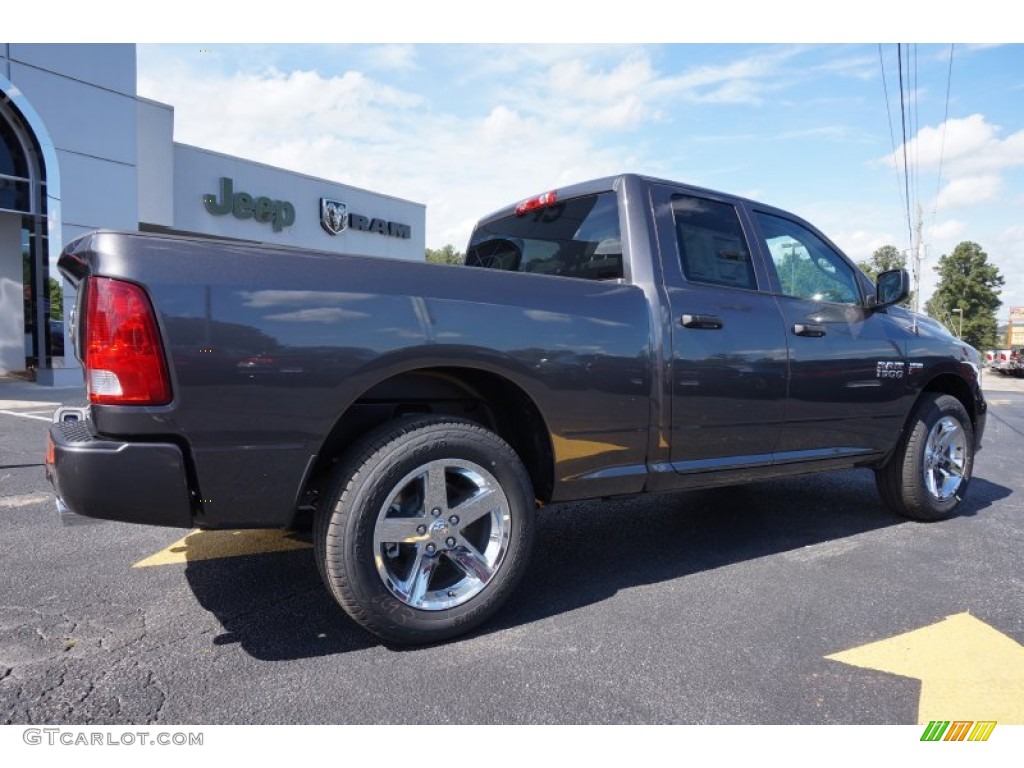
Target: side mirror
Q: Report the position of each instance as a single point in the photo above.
(892, 287)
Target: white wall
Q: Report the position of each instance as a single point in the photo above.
(197, 173)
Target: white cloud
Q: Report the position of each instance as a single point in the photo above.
(503, 124)
(392, 57)
(946, 231)
(358, 130)
(1008, 255)
(962, 145)
(1011, 235)
(970, 190)
(744, 81)
(860, 244)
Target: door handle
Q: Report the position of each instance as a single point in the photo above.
(706, 322)
(804, 329)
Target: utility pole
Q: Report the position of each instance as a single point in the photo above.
(917, 258)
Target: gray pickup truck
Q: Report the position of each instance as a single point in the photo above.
(620, 336)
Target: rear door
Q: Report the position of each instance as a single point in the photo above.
(728, 369)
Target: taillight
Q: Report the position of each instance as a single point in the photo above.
(124, 360)
(541, 201)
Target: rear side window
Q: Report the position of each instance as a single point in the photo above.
(712, 247)
(579, 237)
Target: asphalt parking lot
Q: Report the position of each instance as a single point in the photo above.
(799, 601)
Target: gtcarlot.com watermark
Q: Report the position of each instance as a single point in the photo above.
(85, 738)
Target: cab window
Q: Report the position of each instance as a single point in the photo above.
(807, 267)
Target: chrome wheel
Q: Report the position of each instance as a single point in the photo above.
(945, 458)
(442, 534)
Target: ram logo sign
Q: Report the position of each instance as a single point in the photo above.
(335, 218)
(333, 215)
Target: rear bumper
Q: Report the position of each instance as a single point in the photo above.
(111, 480)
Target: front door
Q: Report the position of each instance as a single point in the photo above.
(847, 370)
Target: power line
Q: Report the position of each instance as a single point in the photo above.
(915, 124)
(892, 136)
(945, 122)
(903, 122)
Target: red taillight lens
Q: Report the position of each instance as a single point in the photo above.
(541, 201)
(124, 360)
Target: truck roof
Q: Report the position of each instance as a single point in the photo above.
(610, 183)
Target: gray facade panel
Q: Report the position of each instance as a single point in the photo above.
(97, 193)
(156, 163)
(79, 117)
(107, 66)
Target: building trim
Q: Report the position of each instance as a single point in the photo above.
(51, 168)
(49, 186)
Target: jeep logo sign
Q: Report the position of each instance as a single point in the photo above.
(278, 213)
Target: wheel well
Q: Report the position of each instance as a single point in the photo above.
(478, 396)
(948, 384)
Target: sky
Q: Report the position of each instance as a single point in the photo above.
(466, 107)
(468, 128)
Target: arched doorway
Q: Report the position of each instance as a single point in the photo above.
(31, 312)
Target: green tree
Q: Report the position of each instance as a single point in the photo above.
(968, 282)
(882, 260)
(444, 255)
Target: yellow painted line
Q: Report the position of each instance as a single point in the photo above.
(213, 545)
(967, 669)
(1000, 402)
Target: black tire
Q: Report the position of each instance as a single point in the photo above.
(415, 561)
(927, 476)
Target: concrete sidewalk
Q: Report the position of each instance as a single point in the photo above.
(18, 393)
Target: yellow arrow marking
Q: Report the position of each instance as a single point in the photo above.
(967, 669)
(211, 545)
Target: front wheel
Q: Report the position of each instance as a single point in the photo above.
(426, 529)
(927, 476)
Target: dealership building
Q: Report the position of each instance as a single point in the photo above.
(80, 150)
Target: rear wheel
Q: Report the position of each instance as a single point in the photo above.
(927, 476)
(425, 529)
